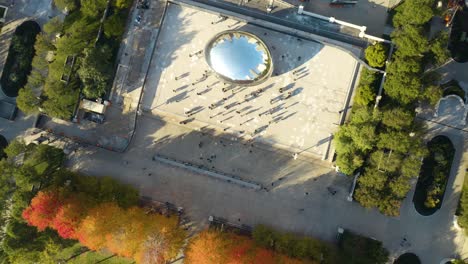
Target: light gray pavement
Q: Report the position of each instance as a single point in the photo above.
(450, 111)
(456, 71)
(303, 123)
(19, 127)
(432, 238)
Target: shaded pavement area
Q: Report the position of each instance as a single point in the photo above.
(301, 187)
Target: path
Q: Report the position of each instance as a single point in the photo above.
(431, 238)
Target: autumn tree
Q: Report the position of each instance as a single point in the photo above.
(43, 209)
(70, 214)
(207, 247)
(99, 222)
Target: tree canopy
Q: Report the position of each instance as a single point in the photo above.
(376, 55)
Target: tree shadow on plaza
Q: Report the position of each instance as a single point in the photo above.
(252, 161)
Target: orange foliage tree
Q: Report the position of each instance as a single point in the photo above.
(212, 246)
(99, 222)
(42, 210)
(70, 214)
(208, 247)
(132, 233)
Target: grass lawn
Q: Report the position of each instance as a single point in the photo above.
(72, 254)
(435, 172)
(20, 55)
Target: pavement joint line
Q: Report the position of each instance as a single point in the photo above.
(219, 176)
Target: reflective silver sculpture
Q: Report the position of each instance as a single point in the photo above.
(239, 57)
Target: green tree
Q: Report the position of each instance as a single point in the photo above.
(122, 4)
(114, 26)
(365, 115)
(365, 95)
(439, 48)
(405, 89)
(373, 179)
(395, 140)
(410, 41)
(411, 166)
(27, 101)
(69, 5)
(61, 99)
(376, 55)
(399, 187)
(95, 71)
(16, 147)
(432, 94)
(358, 249)
(93, 8)
(53, 26)
(349, 162)
(397, 118)
(414, 12)
(404, 65)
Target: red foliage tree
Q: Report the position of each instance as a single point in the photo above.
(69, 216)
(42, 210)
(212, 246)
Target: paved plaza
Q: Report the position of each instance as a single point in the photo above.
(302, 187)
(298, 108)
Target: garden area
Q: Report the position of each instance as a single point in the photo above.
(434, 176)
(53, 215)
(385, 143)
(18, 63)
(458, 45)
(82, 64)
